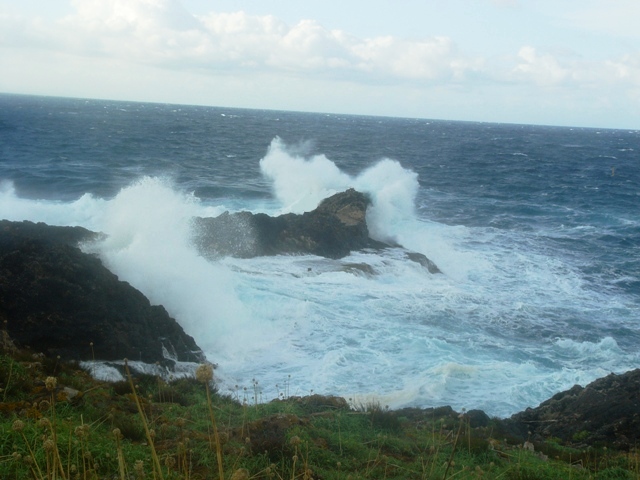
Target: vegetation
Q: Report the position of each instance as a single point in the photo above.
(56, 422)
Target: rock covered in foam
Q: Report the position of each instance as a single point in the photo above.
(334, 229)
(58, 300)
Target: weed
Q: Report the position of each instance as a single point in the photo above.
(178, 430)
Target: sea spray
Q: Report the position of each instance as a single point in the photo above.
(300, 184)
(148, 245)
(392, 189)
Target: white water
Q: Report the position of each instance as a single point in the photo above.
(489, 333)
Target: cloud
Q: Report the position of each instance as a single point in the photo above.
(434, 58)
(617, 18)
(163, 33)
(123, 15)
(626, 71)
(571, 71)
(626, 68)
(542, 69)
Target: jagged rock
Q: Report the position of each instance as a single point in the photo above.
(334, 229)
(477, 418)
(424, 261)
(57, 299)
(607, 411)
(359, 269)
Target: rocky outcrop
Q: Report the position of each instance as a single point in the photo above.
(58, 300)
(605, 412)
(334, 229)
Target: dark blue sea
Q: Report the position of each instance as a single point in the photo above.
(535, 228)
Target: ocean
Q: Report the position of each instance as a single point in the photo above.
(535, 228)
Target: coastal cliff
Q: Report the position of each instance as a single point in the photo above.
(57, 300)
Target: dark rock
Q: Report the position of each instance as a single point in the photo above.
(477, 418)
(605, 412)
(57, 299)
(12, 233)
(359, 269)
(431, 414)
(334, 229)
(424, 261)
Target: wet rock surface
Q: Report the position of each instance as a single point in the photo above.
(334, 229)
(58, 300)
(605, 412)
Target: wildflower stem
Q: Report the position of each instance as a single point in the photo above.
(156, 460)
(453, 451)
(215, 434)
(57, 461)
(33, 457)
(6, 387)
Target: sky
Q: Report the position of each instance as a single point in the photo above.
(550, 62)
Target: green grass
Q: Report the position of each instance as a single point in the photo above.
(102, 433)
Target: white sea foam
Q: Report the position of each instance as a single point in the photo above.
(82, 211)
(111, 371)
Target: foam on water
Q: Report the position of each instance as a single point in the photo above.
(409, 337)
(505, 326)
(82, 211)
(111, 371)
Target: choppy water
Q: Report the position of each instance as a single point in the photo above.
(537, 231)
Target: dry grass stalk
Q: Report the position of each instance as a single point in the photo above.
(204, 374)
(156, 461)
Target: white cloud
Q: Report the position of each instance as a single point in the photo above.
(618, 18)
(427, 59)
(161, 32)
(573, 72)
(122, 15)
(627, 68)
(542, 69)
(626, 71)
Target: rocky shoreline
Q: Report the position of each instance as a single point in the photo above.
(60, 301)
(57, 300)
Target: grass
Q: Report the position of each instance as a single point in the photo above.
(56, 422)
